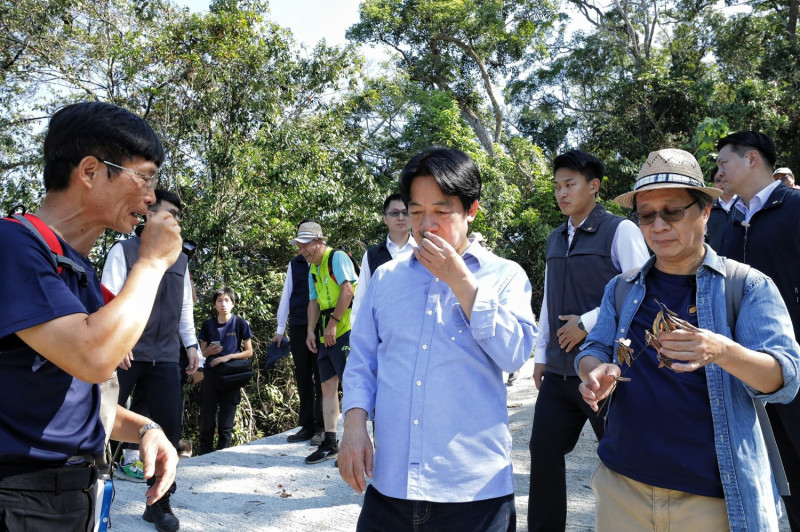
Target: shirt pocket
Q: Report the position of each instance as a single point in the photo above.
(457, 329)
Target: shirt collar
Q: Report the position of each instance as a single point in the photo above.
(391, 246)
(711, 261)
(758, 201)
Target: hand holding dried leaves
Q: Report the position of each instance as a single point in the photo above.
(666, 320)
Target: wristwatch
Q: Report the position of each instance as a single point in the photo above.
(580, 325)
(151, 425)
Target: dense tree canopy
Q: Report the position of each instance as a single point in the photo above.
(261, 133)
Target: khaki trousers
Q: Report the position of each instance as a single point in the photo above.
(626, 505)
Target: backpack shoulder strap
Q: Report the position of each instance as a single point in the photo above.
(47, 237)
(330, 265)
(735, 274)
(622, 288)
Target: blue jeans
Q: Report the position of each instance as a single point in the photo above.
(387, 514)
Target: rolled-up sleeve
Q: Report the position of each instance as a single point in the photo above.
(502, 320)
(763, 324)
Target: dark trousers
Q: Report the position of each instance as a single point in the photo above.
(306, 374)
(157, 394)
(558, 419)
(380, 513)
(70, 511)
(158, 391)
(212, 400)
(785, 421)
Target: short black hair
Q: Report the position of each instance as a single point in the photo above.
(226, 291)
(393, 197)
(166, 195)
(100, 129)
(744, 141)
(454, 171)
(584, 163)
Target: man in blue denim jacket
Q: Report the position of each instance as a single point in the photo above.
(682, 446)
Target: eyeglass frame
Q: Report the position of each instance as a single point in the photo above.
(678, 211)
(397, 214)
(176, 213)
(151, 180)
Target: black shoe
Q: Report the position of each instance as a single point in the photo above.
(326, 451)
(160, 514)
(512, 377)
(301, 435)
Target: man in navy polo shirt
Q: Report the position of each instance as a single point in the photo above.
(101, 165)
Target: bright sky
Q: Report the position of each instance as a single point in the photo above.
(309, 20)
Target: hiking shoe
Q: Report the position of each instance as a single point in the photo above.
(326, 451)
(160, 514)
(133, 471)
(318, 438)
(301, 435)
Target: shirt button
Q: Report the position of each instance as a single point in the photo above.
(424, 347)
(416, 422)
(622, 330)
(430, 312)
(635, 301)
(419, 383)
(436, 279)
(453, 338)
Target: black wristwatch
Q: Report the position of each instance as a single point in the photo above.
(580, 325)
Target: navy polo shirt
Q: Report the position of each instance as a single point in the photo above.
(46, 415)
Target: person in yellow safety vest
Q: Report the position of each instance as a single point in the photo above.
(331, 287)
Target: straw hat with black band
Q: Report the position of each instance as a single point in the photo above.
(668, 168)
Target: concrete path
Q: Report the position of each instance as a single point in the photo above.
(265, 485)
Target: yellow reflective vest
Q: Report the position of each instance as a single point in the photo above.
(328, 293)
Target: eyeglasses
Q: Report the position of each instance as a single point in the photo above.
(174, 212)
(396, 214)
(151, 180)
(669, 215)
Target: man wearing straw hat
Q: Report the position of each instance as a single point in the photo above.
(682, 448)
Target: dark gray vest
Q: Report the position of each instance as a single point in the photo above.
(298, 299)
(577, 277)
(377, 255)
(160, 341)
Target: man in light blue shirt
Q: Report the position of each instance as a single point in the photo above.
(433, 336)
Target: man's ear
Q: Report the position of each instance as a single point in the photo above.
(89, 168)
(472, 212)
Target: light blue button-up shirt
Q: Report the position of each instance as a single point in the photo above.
(763, 324)
(435, 379)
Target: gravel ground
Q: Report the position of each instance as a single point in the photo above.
(241, 488)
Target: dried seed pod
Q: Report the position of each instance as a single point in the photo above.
(666, 320)
(624, 351)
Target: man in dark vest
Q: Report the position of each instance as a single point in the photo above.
(294, 307)
(720, 213)
(397, 245)
(765, 236)
(583, 254)
(153, 365)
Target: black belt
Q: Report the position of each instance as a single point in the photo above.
(54, 479)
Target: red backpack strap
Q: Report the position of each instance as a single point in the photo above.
(47, 233)
(108, 295)
(47, 237)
